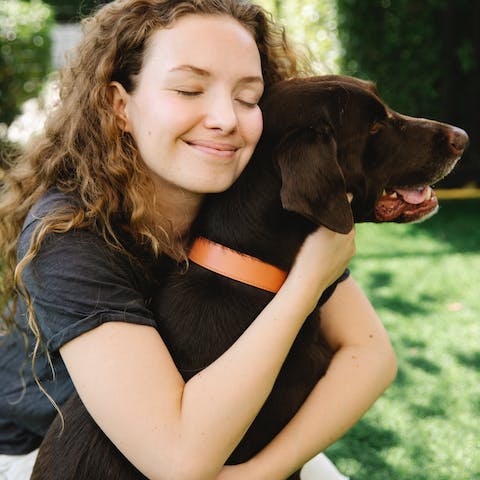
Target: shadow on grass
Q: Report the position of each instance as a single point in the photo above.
(413, 343)
(457, 223)
(401, 305)
(471, 360)
(428, 411)
(363, 448)
(403, 379)
(410, 355)
(375, 284)
(424, 364)
(362, 453)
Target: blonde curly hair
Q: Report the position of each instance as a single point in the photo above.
(82, 149)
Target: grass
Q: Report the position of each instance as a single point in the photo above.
(424, 282)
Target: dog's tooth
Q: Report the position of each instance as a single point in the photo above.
(394, 195)
(429, 194)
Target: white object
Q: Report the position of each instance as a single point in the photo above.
(321, 468)
(17, 467)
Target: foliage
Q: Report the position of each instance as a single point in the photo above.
(70, 11)
(395, 44)
(423, 281)
(425, 59)
(24, 52)
(312, 24)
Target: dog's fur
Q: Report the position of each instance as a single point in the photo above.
(323, 137)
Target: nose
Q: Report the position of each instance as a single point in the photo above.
(458, 140)
(222, 115)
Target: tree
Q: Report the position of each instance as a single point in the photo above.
(72, 11)
(425, 59)
(311, 25)
(24, 53)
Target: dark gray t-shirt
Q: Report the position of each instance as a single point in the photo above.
(76, 283)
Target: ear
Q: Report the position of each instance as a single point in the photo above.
(312, 182)
(119, 97)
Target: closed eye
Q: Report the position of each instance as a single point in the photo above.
(187, 93)
(247, 104)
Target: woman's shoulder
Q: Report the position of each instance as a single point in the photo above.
(53, 199)
(80, 248)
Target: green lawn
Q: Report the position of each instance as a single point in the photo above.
(424, 281)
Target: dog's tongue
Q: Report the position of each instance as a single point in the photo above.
(414, 197)
(405, 205)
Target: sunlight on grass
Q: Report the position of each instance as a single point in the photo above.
(424, 282)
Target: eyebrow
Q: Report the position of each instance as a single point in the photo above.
(205, 73)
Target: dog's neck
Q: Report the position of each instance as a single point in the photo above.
(249, 216)
(239, 266)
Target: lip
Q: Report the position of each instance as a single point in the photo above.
(219, 149)
(406, 205)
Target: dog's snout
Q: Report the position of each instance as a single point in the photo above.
(458, 140)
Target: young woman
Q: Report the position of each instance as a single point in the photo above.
(158, 109)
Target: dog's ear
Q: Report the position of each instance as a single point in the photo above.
(312, 182)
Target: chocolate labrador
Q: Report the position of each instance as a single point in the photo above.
(323, 136)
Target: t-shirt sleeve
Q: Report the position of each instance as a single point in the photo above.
(76, 283)
(329, 291)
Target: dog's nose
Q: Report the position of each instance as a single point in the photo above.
(458, 140)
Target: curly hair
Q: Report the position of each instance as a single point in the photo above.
(83, 151)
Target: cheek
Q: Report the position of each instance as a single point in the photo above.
(160, 116)
(253, 127)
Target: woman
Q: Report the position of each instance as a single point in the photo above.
(160, 108)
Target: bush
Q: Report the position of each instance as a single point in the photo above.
(72, 11)
(24, 53)
(425, 59)
(396, 45)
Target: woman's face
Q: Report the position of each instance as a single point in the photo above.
(194, 112)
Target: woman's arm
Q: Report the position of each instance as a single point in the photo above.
(172, 430)
(363, 366)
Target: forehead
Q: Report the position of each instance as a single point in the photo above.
(206, 41)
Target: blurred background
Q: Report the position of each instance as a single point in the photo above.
(422, 279)
(423, 56)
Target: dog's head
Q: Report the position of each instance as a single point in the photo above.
(334, 134)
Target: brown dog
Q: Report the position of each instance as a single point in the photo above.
(323, 137)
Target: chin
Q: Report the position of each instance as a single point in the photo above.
(216, 185)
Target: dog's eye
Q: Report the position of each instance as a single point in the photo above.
(376, 127)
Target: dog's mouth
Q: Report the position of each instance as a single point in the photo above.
(406, 205)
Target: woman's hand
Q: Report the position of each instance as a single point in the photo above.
(323, 257)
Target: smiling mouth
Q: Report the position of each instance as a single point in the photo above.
(406, 205)
(215, 149)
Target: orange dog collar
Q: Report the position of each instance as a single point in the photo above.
(236, 265)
